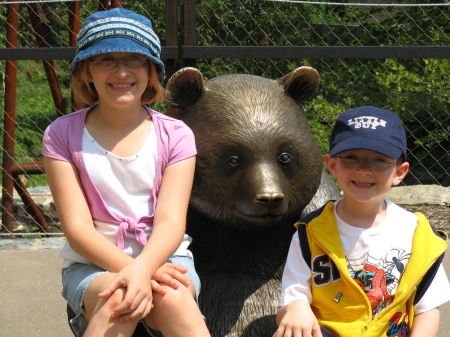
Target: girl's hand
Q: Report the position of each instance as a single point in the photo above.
(137, 302)
(296, 319)
(171, 274)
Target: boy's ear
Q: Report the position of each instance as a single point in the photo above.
(331, 164)
(400, 173)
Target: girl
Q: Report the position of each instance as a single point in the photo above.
(121, 176)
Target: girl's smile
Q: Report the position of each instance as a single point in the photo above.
(117, 82)
(122, 86)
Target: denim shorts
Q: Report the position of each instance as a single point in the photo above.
(77, 278)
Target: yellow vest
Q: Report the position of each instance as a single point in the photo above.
(339, 304)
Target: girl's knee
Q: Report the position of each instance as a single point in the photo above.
(174, 303)
(95, 305)
(177, 306)
(175, 299)
(113, 301)
(104, 308)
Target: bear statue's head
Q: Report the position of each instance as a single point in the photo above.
(258, 164)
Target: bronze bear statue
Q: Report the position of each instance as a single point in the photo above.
(258, 169)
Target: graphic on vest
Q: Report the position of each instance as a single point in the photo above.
(398, 325)
(379, 279)
(324, 270)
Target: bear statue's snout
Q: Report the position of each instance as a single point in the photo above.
(264, 193)
(269, 199)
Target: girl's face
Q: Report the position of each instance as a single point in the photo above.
(119, 78)
(363, 182)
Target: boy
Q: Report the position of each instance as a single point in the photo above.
(362, 266)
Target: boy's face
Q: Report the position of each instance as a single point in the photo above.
(369, 180)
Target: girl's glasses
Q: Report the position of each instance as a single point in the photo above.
(108, 62)
(355, 161)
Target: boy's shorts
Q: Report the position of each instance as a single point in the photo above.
(77, 278)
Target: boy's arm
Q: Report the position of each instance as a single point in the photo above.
(426, 324)
(296, 319)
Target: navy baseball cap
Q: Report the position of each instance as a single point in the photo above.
(118, 31)
(369, 128)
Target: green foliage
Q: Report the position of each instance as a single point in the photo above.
(155, 11)
(35, 110)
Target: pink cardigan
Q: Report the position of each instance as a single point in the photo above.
(63, 141)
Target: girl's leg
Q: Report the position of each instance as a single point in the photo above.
(98, 310)
(176, 314)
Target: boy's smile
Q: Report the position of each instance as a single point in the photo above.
(362, 184)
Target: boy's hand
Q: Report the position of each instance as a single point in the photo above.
(296, 319)
(171, 274)
(137, 301)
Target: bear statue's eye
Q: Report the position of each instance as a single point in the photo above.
(284, 158)
(234, 161)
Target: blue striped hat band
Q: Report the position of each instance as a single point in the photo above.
(118, 30)
(117, 26)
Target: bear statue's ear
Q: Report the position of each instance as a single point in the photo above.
(301, 83)
(184, 88)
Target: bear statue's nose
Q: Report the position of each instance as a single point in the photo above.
(270, 198)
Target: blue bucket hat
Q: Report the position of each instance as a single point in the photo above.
(369, 128)
(118, 31)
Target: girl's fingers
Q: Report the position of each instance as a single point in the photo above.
(140, 312)
(157, 287)
(177, 267)
(130, 302)
(115, 284)
(172, 274)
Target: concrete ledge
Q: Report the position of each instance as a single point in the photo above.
(420, 194)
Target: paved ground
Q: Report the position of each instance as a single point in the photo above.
(30, 297)
(30, 300)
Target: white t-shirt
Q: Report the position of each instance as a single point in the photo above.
(384, 249)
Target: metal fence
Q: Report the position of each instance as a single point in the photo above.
(391, 54)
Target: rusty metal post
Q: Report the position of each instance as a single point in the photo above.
(74, 27)
(116, 3)
(41, 41)
(104, 5)
(74, 22)
(9, 119)
(171, 34)
(29, 204)
(190, 29)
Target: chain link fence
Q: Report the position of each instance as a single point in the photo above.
(418, 89)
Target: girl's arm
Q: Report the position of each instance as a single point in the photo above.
(426, 324)
(169, 224)
(76, 220)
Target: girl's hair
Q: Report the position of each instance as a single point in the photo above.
(85, 91)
